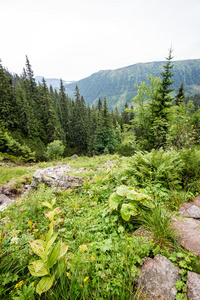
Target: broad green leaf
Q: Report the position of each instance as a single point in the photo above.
(49, 234)
(38, 247)
(114, 201)
(50, 243)
(53, 202)
(133, 195)
(147, 203)
(63, 249)
(122, 190)
(60, 267)
(47, 204)
(54, 255)
(44, 285)
(128, 210)
(38, 268)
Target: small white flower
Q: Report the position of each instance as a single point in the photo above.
(14, 240)
(2, 207)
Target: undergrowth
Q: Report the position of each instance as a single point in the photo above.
(105, 247)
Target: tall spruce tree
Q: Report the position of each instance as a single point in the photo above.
(161, 105)
(180, 97)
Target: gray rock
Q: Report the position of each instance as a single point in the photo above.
(193, 284)
(74, 156)
(188, 233)
(56, 176)
(5, 200)
(190, 211)
(158, 277)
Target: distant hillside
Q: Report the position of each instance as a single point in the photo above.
(118, 85)
(52, 81)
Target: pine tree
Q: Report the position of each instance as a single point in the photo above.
(180, 97)
(161, 105)
(8, 110)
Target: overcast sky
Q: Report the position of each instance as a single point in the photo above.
(71, 39)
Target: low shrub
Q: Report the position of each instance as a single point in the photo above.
(55, 150)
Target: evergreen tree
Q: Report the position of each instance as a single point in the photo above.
(8, 110)
(50, 122)
(161, 105)
(180, 97)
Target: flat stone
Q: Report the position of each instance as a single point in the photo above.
(158, 277)
(193, 284)
(188, 233)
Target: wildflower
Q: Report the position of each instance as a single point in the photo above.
(92, 258)
(83, 247)
(152, 240)
(11, 292)
(19, 284)
(128, 246)
(150, 172)
(86, 279)
(14, 240)
(33, 283)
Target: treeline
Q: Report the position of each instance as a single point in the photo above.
(34, 115)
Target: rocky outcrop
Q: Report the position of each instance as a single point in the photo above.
(56, 176)
(158, 277)
(193, 285)
(190, 210)
(188, 230)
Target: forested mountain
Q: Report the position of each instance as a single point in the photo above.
(119, 85)
(34, 116)
(54, 82)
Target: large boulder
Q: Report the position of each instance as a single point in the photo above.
(56, 176)
(190, 210)
(193, 285)
(158, 277)
(188, 233)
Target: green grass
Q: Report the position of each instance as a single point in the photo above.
(104, 250)
(13, 173)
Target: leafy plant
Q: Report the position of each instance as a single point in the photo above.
(55, 150)
(52, 262)
(128, 200)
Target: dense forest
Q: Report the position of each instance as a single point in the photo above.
(34, 116)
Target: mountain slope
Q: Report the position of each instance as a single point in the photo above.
(119, 85)
(52, 81)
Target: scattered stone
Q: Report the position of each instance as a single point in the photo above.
(5, 200)
(189, 210)
(158, 277)
(193, 284)
(2, 164)
(188, 233)
(56, 176)
(74, 156)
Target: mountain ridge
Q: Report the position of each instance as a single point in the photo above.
(118, 85)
